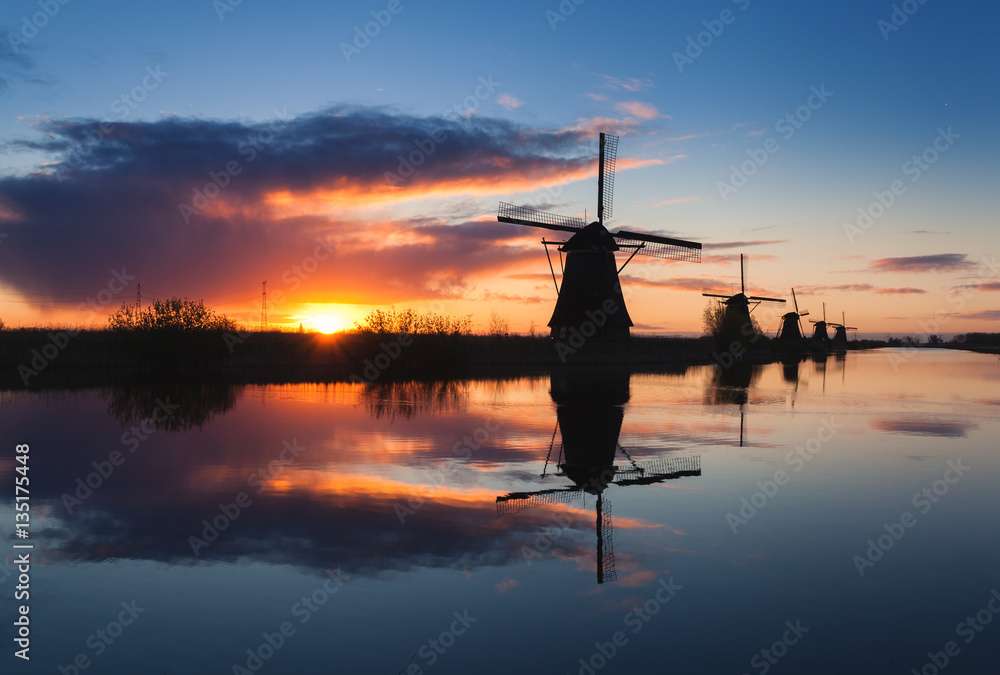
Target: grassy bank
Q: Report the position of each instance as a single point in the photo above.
(28, 357)
(50, 357)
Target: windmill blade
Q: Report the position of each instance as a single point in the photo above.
(760, 299)
(660, 247)
(605, 545)
(659, 470)
(606, 176)
(800, 314)
(522, 215)
(516, 502)
(716, 295)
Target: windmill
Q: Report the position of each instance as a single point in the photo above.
(840, 331)
(819, 330)
(791, 332)
(736, 323)
(589, 412)
(731, 386)
(590, 299)
(640, 473)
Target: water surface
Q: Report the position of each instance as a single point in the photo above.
(589, 520)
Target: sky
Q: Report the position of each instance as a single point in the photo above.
(353, 156)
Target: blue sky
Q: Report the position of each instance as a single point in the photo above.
(605, 66)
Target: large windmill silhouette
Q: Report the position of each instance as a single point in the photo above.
(589, 412)
(591, 291)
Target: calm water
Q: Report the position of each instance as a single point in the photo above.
(352, 529)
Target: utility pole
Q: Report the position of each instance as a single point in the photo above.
(138, 296)
(263, 306)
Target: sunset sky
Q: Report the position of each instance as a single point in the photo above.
(199, 148)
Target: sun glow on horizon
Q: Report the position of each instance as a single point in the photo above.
(328, 323)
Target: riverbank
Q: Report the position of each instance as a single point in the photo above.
(37, 357)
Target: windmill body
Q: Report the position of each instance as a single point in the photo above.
(590, 302)
(590, 288)
(737, 315)
(590, 407)
(821, 338)
(839, 335)
(789, 332)
(790, 335)
(840, 332)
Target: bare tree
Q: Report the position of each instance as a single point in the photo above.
(498, 325)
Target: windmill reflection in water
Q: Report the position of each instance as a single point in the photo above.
(589, 411)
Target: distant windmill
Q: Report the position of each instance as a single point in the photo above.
(591, 291)
(791, 332)
(737, 317)
(840, 331)
(819, 330)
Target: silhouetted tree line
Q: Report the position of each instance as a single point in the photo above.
(175, 314)
(992, 339)
(393, 321)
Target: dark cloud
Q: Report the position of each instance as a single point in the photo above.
(900, 291)
(813, 290)
(988, 286)
(742, 244)
(114, 199)
(860, 288)
(679, 283)
(940, 262)
(986, 314)
(710, 259)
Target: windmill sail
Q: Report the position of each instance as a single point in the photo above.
(605, 545)
(606, 176)
(660, 247)
(522, 215)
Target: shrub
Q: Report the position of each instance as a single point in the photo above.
(393, 321)
(175, 314)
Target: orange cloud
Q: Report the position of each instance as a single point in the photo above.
(509, 102)
(639, 109)
(668, 202)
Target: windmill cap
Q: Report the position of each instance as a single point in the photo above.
(592, 236)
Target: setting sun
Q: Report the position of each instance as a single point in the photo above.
(328, 323)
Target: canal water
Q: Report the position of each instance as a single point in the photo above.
(831, 515)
